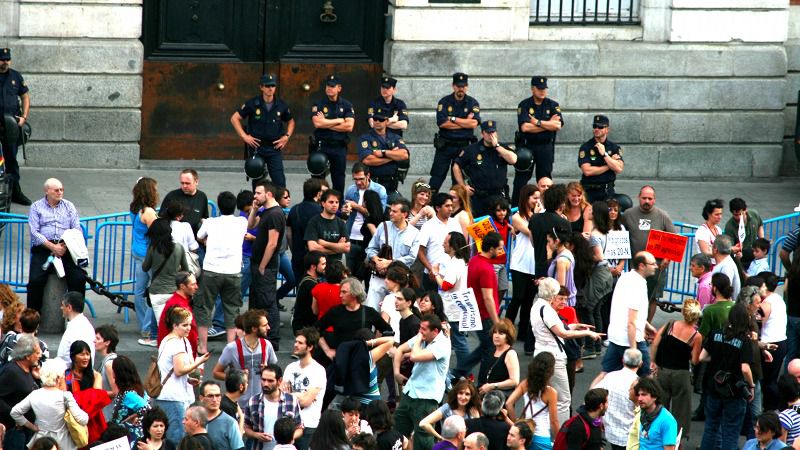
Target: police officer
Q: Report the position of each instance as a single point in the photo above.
(539, 119)
(266, 115)
(391, 105)
(600, 161)
(457, 115)
(333, 118)
(485, 163)
(381, 149)
(12, 90)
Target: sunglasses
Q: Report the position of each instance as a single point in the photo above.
(598, 127)
(422, 185)
(376, 119)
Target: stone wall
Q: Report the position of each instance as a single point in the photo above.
(790, 163)
(82, 62)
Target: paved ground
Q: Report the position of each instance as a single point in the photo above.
(106, 191)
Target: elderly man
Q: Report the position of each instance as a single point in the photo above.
(48, 219)
(619, 416)
(17, 380)
(700, 267)
(724, 263)
(453, 431)
(492, 421)
(476, 441)
(194, 425)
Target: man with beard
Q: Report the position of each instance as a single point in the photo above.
(315, 264)
(658, 429)
(306, 380)
(639, 221)
(589, 417)
(12, 89)
(326, 232)
(249, 354)
(457, 115)
(269, 405)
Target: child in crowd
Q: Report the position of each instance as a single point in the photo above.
(284, 434)
(760, 252)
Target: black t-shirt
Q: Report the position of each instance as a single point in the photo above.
(15, 385)
(229, 407)
(270, 219)
(203, 438)
(389, 440)
(494, 429)
(330, 230)
(298, 219)
(727, 355)
(540, 225)
(195, 207)
(409, 327)
(303, 315)
(576, 433)
(345, 323)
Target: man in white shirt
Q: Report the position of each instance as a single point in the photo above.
(431, 237)
(78, 326)
(306, 380)
(222, 268)
(619, 416)
(628, 324)
(404, 243)
(724, 263)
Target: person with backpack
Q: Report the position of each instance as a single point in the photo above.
(249, 354)
(584, 430)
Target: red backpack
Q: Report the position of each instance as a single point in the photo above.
(561, 438)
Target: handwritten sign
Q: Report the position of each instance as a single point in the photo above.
(618, 245)
(462, 307)
(665, 245)
(117, 444)
(479, 230)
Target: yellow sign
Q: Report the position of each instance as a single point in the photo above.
(480, 229)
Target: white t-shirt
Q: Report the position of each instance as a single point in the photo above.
(270, 417)
(703, 233)
(629, 294)
(454, 271)
(432, 235)
(303, 379)
(774, 329)
(728, 267)
(78, 329)
(542, 320)
(182, 234)
(358, 220)
(176, 388)
(225, 235)
(388, 307)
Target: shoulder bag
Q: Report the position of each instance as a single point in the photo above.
(385, 252)
(79, 433)
(153, 382)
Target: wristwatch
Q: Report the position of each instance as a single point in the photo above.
(453, 119)
(538, 122)
(383, 153)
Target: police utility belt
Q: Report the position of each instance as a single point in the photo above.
(440, 142)
(598, 187)
(315, 145)
(522, 141)
(483, 193)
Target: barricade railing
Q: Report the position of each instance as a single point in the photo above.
(15, 251)
(112, 261)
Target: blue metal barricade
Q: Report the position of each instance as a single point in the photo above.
(15, 251)
(112, 262)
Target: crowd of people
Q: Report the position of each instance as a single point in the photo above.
(376, 322)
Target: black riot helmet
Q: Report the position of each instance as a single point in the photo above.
(524, 160)
(255, 167)
(318, 164)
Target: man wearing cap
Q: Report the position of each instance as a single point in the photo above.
(333, 118)
(266, 116)
(395, 109)
(600, 161)
(12, 89)
(381, 149)
(539, 119)
(486, 164)
(457, 115)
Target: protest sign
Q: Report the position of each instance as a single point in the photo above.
(618, 245)
(669, 246)
(462, 307)
(117, 444)
(480, 229)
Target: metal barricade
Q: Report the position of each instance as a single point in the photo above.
(680, 283)
(15, 251)
(112, 261)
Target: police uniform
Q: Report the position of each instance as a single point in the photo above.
(386, 174)
(12, 87)
(541, 145)
(396, 106)
(334, 143)
(265, 122)
(487, 172)
(450, 143)
(598, 187)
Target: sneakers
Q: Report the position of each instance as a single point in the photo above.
(147, 342)
(605, 343)
(589, 354)
(215, 332)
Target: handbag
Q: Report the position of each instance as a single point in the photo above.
(385, 252)
(193, 262)
(155, 275)
(79, 433)
(153, 383)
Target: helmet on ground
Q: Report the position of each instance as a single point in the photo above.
(625, 202)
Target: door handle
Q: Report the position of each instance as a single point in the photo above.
(306, 87)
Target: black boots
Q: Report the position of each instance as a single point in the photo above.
(17, 196)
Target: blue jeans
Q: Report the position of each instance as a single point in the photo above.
(792, 339)
(458, 341)
(289, 281)
(482, 352)
(144, 313)
(247, 277)
(724, 418)
(175, 411)
(612, 360)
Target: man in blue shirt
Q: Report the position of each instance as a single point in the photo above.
(222, 428)
(658, 429)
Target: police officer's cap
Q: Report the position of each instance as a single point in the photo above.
(269, 80)
(332, 80)
(600, 121)
(5, 54)
(388, 82)
(489, 126)
(539, 81)
(380, 114)
(460, 79)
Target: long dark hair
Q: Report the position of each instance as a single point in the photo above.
(145, 194)
(330, 433)
(378, 416)
(87, 376)
(540, 370)
(524, 195)
(438, 305)
(739, 323)
(584, 260)
(160, 235)
(126, 376)
(459, 244)
(474, 399)
(372, 203)
(401, 274)
(600, 216)
(45, 443)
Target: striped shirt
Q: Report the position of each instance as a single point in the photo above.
(49, 223)
(790, 244)
(790, 421)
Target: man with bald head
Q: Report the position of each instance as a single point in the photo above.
(476, 441)
(793, 368)
(544, 184)
(48, 219)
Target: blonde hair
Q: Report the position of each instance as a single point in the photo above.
(51, 370)
(691, 311)
(463, 199)
(577, 187)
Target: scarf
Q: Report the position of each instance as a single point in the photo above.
(648, 418)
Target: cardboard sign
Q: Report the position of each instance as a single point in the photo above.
(479, 230)
(665, 245)
(618, 245)
(117, 444)
(462, 307)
